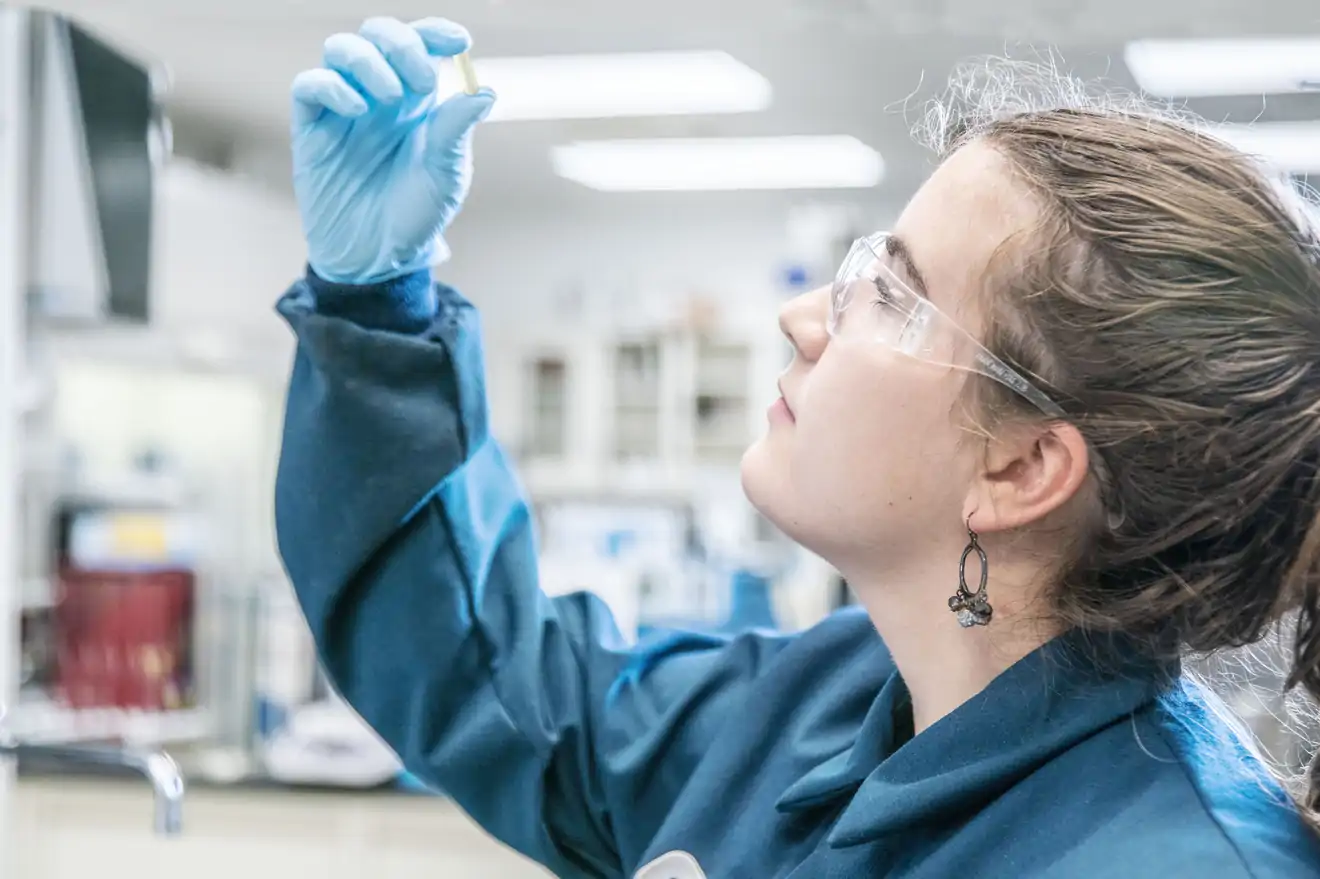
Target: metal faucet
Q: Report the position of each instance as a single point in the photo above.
(158, 768)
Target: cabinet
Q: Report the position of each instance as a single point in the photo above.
(721, 399)
(636, 397)
(633, 414)
(547, 402)
(656, 419)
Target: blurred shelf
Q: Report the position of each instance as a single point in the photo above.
(639, 481)
(41, 722)
(150, 491)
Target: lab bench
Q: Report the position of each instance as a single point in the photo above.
(71, 825)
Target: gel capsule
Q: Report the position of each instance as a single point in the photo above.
(467, 72)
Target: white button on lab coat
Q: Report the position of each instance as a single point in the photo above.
(675, 865)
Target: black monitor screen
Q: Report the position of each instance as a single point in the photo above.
(117, 100)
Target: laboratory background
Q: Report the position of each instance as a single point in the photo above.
(655, 181)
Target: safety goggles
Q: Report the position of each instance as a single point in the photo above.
(870, 302)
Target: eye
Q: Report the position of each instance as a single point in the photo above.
(883, 295)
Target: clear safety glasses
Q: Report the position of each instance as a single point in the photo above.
(871, 303)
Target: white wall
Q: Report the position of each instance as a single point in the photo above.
(524, 267)
(219, 431)
(224, 249)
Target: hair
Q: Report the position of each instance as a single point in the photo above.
(1168, 298)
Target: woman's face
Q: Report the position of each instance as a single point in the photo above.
(865, 462)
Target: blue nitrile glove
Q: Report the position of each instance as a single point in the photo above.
(379, 168)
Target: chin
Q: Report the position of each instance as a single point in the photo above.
(810, 521)
(766, 484)
(756, 473)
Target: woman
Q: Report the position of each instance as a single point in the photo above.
(1060, 426)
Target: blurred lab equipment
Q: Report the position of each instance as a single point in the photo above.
(305, 734)
(631, 553)
(285, 670)
(124, 610)
(326, 743)
(124, 639)
(751, 605)
(84, 128)
(95, 114)
(81, 136)
(660, 565)
(156, 766)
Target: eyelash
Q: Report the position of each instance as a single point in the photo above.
(883, 296)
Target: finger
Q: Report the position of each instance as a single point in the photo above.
(361, 62)
(450, 125)
(402, 46)
(443, 38)
(321, 90)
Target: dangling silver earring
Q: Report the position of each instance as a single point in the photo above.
(972, 608)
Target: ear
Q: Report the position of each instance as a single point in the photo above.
(1028, 472)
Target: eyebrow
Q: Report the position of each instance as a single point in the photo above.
(897, 248)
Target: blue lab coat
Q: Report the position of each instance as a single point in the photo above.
(410, 545)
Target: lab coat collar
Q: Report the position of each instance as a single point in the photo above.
(1040, 707)
(845, 771)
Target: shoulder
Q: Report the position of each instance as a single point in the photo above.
(1241, 821)
(1171, 791)
(819, 681)
(848, 626)
(775, 667)
(837, 648)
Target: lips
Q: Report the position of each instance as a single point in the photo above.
(783, 398)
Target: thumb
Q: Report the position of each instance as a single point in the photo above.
(457, 116)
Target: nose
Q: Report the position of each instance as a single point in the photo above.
(803, 319)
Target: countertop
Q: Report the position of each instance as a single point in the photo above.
(37, 769)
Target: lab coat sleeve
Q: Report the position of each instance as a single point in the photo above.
(410, 545)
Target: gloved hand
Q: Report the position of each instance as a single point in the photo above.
(379, 168)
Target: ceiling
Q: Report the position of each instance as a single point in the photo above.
(837, 66)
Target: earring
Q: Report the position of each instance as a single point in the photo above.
(972, 608)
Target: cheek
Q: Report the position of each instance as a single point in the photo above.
(875, 446)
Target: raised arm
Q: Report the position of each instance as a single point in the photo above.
(408, 539)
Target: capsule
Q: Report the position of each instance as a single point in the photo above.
(467, 72)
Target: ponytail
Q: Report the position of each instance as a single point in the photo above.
(1311, 798)
(1303, 589)
(1306, 673)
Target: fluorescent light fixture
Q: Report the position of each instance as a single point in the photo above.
(1204, 68)
(611, 85)
(674, 164)
(1292, 147)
